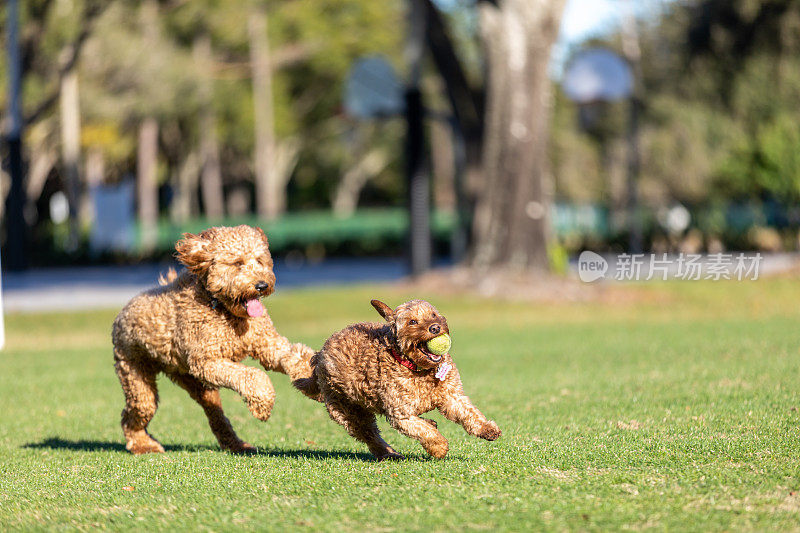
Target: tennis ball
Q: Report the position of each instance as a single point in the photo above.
(439, 345)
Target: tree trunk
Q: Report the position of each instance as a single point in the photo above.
(211, 171)
(95, 174)
(146, 181)
(71, 147)
(633, 53)
(443, 166)
(511, 221)
(147, 155)
(186, 179)
(44, 157)
(270, 196)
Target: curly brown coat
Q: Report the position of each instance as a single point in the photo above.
(371, 368)
(197, 328)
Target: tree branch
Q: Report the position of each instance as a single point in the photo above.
(69, 60)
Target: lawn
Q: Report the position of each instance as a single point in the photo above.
(669, 406)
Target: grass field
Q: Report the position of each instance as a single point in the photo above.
(673, 407)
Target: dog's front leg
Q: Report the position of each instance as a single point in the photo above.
(460, 410)
(422, 430)
(292, 359)
(250, 383)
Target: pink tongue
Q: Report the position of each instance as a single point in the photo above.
(254, 308)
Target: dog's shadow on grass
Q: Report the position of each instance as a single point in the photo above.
(57, 443)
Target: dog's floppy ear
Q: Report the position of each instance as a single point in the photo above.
(263, 235)
(384, 310)
(192, 252)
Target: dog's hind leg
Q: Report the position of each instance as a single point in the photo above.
(307, 383)
(138, 379)
(361, 425)
(209, 399)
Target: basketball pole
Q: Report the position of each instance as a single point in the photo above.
(417, 175)
(15, 223)
(15, 219)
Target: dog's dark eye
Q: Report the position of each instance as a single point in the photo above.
(412, 322)
(238, 263)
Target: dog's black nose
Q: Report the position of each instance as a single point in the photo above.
(435, 329)
(261, 286)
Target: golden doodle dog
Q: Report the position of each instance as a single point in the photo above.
(388, 369)
(197, 328)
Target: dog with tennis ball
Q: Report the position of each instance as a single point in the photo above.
(400, 369)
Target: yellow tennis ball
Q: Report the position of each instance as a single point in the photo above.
(439, 345)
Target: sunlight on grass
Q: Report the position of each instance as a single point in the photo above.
(676, 407)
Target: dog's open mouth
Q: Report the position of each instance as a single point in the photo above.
(429, 354)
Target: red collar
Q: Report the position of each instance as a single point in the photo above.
(405, 362)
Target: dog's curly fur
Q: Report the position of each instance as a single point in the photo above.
(196, 329)
(356, 375)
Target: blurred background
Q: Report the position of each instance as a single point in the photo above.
(512, 134)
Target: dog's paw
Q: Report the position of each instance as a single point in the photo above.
(242, 448)
(391, 456)
(143, 446)
(489, 431)
(437, 448)
(261, 408)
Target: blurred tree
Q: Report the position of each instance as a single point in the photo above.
(308, 56)
(210, 168)
(124, 79)
(132, 75)
(270, 180)
(750, 52)
(53, 35)
(721, 88)
(511, 218)
(147, 158)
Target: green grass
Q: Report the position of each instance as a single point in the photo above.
(673, 406)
